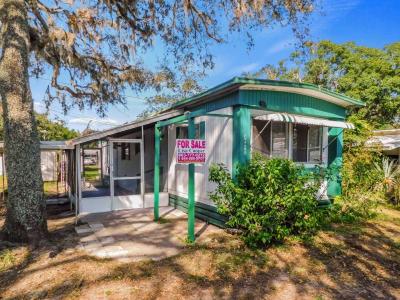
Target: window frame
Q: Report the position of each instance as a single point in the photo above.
(289, 131)
(200, 131)
(125, 147)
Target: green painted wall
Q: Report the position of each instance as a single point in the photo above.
(244, 100)
(335, 160)
(203, 211)
(274, 101)
(292, 103)
(241, 137)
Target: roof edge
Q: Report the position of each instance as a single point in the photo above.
(245, 80)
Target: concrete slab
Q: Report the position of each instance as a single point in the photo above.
(107, 240)
(91, 245)
(95, 226)
(80, 230)
(132, 235)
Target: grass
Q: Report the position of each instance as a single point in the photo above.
(91, 173)
(49, 187)
(346, 262)
(7, 259)
(1, 182)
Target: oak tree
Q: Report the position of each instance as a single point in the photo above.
(95, 50)
(369, 74)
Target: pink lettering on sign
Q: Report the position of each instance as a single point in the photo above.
(190, 151)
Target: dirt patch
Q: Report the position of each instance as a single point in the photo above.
(347, 262)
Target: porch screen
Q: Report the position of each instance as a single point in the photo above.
(279, 139)
(262, 137)
(307, 143)
(315, 144)
(300, 133)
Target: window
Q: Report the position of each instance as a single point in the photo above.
(279, 134)
(182, 132)
(271, 138)
(315, 144)
(201, 130)
(307, 143)
(125, 151)
(262, 137)
(300, 133)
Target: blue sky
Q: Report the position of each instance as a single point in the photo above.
(372, 23)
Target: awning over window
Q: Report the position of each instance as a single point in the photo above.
(290, 118)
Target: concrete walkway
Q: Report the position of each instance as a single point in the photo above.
(132, 235)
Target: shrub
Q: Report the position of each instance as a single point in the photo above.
(390, 176)
(361, 180)
(269, 200)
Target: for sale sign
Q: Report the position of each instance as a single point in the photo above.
(190, 151)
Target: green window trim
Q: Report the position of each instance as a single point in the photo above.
(202, 130)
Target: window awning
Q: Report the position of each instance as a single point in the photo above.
(290, 118)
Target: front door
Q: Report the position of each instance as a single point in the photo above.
(126, 174)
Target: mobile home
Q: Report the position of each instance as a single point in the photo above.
(137, 162)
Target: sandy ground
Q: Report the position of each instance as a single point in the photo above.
(347, 262)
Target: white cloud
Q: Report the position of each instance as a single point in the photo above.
(244, 69)
(330, 11)
(281, 46)
(94, 121)
(339, 6)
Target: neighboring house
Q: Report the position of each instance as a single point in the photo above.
(53, 159)
(138, 167)
(389, 140)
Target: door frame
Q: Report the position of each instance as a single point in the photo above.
(112, 178)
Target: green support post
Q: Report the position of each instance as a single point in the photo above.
(157, 136)
(241, 151)
(335, 149)
(191, 187)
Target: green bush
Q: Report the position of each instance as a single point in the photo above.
(361, 181)
(269, 200)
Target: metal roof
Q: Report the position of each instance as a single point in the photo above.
(125, 127)
(389, 139)
(49, 145)
(237, 83)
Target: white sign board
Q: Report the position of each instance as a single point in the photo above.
(190, 151)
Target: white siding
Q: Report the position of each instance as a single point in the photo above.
(218, 134)
(325, 145)
(1, 166)
(48, 165)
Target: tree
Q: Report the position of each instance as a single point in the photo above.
(48, 130)
(94, 51)
(53, 130)
(369, 74)
(176, 92)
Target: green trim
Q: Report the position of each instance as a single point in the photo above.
(335, 161)
(157, 135)
(202, 129)
(241, 137)
(219, 115)
(191, 186)
(203, 211)
(323, 203)
(174, 120)
(238, 81)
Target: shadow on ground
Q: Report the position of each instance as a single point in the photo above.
(348, 262)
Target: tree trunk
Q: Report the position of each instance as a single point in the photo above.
(26, 208)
